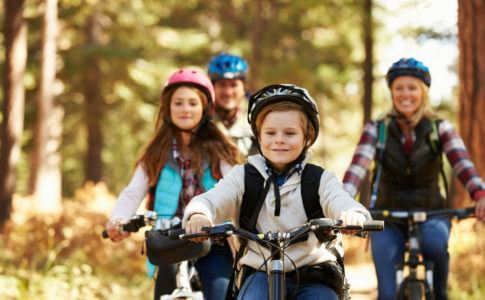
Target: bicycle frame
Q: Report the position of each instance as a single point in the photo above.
(184, 272)
(414, 260)
(411, 286)
(183, 288)
(277, 242)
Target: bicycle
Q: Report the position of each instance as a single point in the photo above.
(185, 271)
(277, 243)
(413, 287)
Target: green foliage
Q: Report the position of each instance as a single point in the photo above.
(317, 44)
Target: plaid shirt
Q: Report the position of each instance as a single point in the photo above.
(452, 145)
(190, 182)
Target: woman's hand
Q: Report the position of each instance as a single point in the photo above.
(480, 209)
(352, 218)
(195, 224)
(113, 228)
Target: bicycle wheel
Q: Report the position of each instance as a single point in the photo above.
(410, 291)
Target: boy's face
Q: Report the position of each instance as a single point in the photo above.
(281, 138)
(229, 93)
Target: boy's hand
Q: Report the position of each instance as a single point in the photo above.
(352, 218)
(195, 224)
(113, 228)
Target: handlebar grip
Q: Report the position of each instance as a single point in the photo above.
(374, 225)
(104, 234)
(174, 234)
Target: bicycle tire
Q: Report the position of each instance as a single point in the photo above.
(411, 290)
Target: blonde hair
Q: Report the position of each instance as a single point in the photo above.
(424, 109)
(306, 126)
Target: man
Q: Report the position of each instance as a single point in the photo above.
(228, 74)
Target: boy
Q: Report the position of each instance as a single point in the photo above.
(284, 118)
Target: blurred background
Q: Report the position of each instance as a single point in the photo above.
(81, 85)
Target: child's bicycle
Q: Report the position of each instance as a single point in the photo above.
(278, 242)
(413, 287)
(160, 249)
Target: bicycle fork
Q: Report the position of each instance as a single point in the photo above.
(277, 280)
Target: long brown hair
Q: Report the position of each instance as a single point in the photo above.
(207, 143)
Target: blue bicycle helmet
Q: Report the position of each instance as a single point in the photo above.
(227, 66)
(409, 67)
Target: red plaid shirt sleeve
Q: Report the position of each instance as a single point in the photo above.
(455, 150)
(363, 156)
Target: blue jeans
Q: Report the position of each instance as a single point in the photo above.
(215, 270)
(388, 251)
(256, 287)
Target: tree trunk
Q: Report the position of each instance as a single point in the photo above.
(45, 176)
(471, 36)
(93, 102)
(368, 81)
(257, 51)
(15, 30)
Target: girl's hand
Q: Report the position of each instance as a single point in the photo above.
(352, 218)
(113, 228)
(195, 224)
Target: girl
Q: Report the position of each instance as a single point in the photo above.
(410, 170)
(186, 155)
(284, 118)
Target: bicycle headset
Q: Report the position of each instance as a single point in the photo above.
(283, 92)
(227, 66)
(408, 67)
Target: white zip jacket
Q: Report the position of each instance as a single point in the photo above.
(223, 202)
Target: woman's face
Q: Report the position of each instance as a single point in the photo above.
(407, 95)
(186, 108)
(281, 138)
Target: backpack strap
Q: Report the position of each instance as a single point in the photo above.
(382, 126)
(310, 183)
(435, 144)
(252, 201)
(253, 198)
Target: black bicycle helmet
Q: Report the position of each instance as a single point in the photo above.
(283, 92)
(408, 67)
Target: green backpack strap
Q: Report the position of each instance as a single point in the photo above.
(434, 138)
(382, 127)
(435, 145)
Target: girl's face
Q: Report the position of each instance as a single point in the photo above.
(407, 95)
(281, 138)
(186, 108)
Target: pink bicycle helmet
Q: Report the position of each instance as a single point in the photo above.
(193, 77)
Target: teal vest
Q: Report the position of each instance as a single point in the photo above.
(167, 195)
(168, 190)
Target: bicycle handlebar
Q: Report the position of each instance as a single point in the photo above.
(422, 215)
(322, 224)
(149, 218)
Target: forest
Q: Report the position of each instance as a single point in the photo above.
(80, 89)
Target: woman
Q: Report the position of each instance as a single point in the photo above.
(185, 156)
(410, 164)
